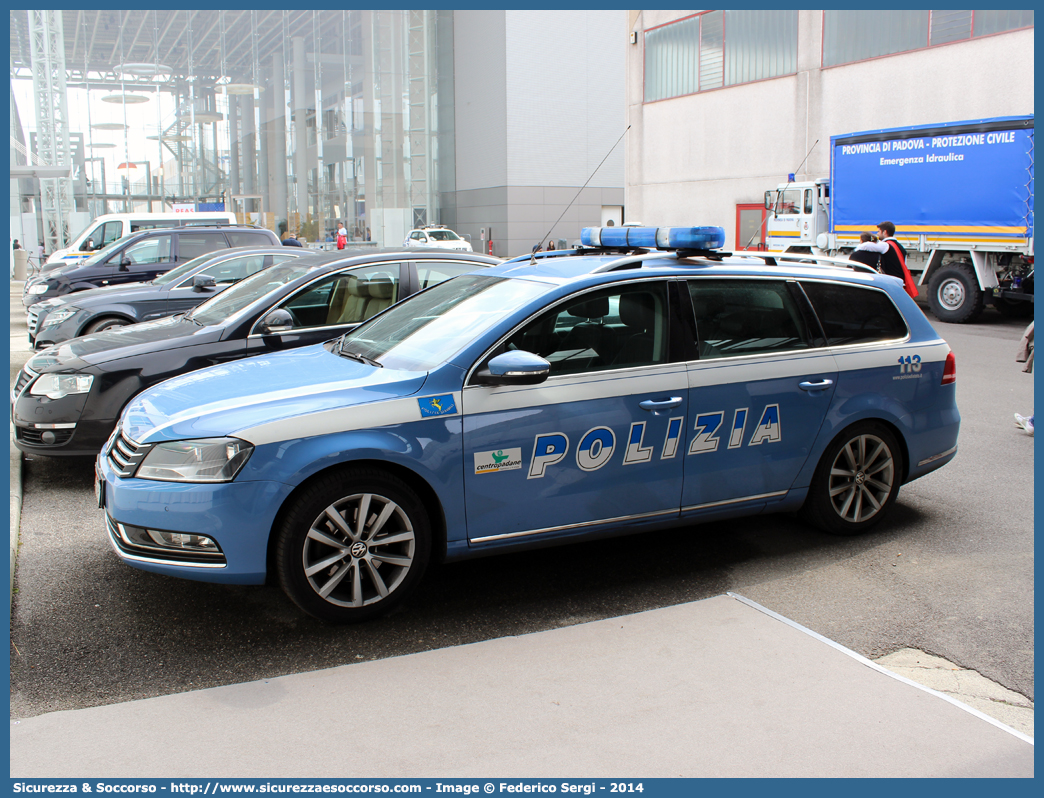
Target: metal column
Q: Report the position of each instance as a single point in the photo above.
(47, 52)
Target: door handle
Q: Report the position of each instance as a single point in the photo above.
(815, 386)
(665, 404)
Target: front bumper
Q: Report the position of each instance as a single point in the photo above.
(55, 427)
(237, 516)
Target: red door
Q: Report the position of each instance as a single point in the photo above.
(750, 226)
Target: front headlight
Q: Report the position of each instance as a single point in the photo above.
(58, 386)
(206, 460)
(58, 316)
(39, 288)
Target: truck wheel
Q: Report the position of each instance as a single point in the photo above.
(954, 294)
(353, 545)
(856, 481)
(1013, 309)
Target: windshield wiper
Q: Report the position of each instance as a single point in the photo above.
(356, 356)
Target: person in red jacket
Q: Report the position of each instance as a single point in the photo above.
(342, 236)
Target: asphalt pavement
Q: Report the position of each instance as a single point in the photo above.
(717, 687)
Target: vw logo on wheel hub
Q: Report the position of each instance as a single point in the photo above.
(358, 549)
(860, 478)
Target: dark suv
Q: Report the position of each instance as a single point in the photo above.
(142, 256)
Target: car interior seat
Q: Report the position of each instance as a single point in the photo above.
(638, 313)
(382, 294)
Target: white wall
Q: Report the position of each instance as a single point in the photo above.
(691, 159)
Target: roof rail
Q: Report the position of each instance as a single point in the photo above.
(771, 259)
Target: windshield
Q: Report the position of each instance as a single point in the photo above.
(424, 331)
(182, 270)
(102, 254)
(443, 235)
(246, 292)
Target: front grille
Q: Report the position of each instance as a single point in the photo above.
(126, 455)
(34, 437)
(32, 318)
(25, 376)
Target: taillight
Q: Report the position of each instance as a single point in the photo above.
(950, 369)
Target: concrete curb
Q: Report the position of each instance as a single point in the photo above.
(16, 502)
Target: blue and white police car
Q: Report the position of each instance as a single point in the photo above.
(643, 380)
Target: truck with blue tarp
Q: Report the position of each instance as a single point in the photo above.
(960, 195)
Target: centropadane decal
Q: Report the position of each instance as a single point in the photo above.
(432, 406)
(597, 445)
(500, 460)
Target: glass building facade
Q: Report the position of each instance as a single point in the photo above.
(295, 120)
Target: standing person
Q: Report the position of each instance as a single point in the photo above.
(1025, 355)
(16, 245)
(866, 255)
(893, 256)
(550, 245)
(291, 241)
(342, 236)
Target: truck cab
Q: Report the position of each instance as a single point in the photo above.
(799, 214)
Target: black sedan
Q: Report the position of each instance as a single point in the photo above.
(67, 399)
(83, 312)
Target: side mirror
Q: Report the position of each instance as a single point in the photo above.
(278, 321)
(125, 265)
(768, 200)
(203, 282)
(514, 368)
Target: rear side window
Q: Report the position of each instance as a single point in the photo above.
(192, 245)
(746, 317)
(246, 238)
(433, 272)
(851, 314)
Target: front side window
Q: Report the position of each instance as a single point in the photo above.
(746, 317)
(851, 314)
(620, 327)
(151, 250)
(345, 298)
(788, 201)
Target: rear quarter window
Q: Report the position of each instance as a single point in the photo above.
(249, 239)
(851, 314)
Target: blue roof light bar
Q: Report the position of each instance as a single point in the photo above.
(654, 237)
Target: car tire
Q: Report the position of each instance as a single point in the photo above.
(856, 481)
(339, 573)
(107, 323)
(954, 294)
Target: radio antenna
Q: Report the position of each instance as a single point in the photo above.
(570, 205)
(779, 191)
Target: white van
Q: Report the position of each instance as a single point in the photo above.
(107, 228)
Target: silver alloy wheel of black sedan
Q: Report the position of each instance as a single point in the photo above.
(861, 478)
(354, 543)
